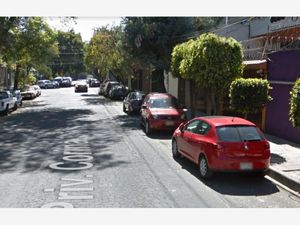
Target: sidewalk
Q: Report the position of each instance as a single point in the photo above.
(285, 162)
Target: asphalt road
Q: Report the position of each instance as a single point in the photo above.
(67, 149)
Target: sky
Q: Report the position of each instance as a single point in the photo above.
(84, 25)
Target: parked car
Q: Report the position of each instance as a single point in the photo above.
(101, 89)
(108, 86)
(161, 111)
(133, 102)
(220, 143)
(81, 87)
(7, 102)
(58, 79)
(66, 82)
(37, 90)
(55, 84)
(94, 83)
(45, 84)
(118, 92)
(18, 96)
(29, 93)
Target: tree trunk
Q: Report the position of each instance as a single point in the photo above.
(16, 85)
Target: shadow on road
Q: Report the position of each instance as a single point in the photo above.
(33, 139)
(277, 159)
(236, 184)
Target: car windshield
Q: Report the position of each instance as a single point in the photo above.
(238, 133)
(3, 95)
(164, 103)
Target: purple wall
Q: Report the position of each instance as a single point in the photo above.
(282, 66)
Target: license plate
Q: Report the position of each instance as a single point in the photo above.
(170, 123)
(246, 166)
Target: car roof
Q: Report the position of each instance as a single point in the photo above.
(225, 120)
(159, 95)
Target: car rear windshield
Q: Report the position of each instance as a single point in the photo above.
(164, 103)
(238, 133)
(140, 96)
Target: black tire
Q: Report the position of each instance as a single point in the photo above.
(124, 109)
(148, 129)
(204, 170)
(6, 111)
(15, 106)
(175, 152)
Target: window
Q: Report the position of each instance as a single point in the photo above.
(238, 133)
(164, 103)
(203, 128)
(3, 95)
(192, 126)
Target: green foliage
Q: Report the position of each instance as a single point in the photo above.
(249, 95)
(106, 52)
(294, 114)
(151, 39)
(70, 60)
(210, 60)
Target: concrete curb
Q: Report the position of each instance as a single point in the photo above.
(283, 179)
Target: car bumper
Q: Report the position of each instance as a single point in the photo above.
(81, 89)
(164, 124)
(246, 163)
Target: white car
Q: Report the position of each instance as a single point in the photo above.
(29, 92)
(7, 102)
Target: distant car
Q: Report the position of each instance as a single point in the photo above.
(118, 92)
(7, 102)
(55, 84)
(108, 86)
(133, 102)
(161, 111)
(29, 93)
(58, 79)
(219, 143)
(94, 83)
(81, 87)
(18, 96)
(45, 84)
(101, 89)
(66, 83)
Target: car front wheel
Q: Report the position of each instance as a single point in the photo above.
(205, 171)
(148, 129)
(175, 151)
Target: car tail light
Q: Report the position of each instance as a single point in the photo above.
(267, 146)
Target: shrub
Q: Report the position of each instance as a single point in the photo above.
(294, 115)
(249, 95)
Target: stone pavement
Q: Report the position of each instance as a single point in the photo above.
(285, 162)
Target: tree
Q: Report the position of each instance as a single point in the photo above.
(151, 40)
(294, 114)
(249, 95)
(213, 62)
(105, 53)
(70, 60)
(31, 44)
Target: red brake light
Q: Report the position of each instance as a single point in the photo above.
(267, 146)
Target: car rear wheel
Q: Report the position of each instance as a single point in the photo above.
(205, 171)
(124, 109)
(15, 106)
(148, 129)
(175, 151)
(6, 111)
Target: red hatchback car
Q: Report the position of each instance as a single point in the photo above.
(161, 111)
(219, 143)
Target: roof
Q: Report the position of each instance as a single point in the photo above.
(226, 120)
(154, 94)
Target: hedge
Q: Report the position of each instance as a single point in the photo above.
(249, 95)
(294, 114)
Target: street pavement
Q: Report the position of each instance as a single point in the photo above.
(80, 150)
